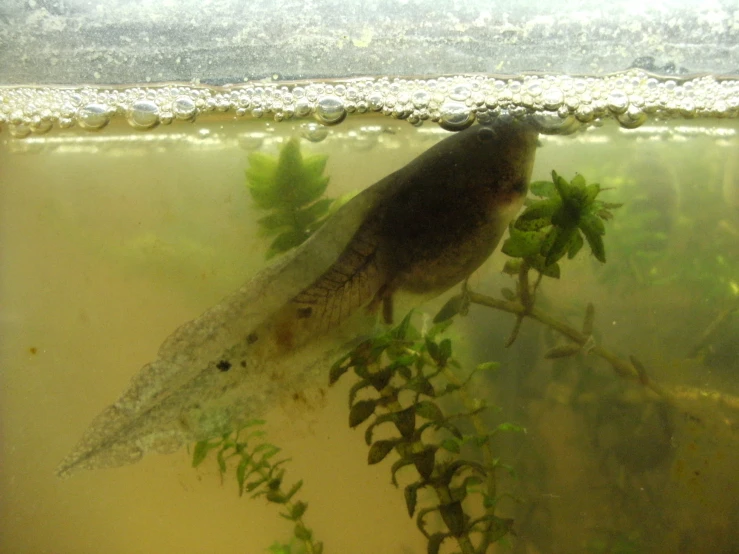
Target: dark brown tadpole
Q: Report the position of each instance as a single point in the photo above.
(439, 219)
(421, 229)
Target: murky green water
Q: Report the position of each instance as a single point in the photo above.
(111, 240)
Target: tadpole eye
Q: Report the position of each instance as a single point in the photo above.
(485, 134)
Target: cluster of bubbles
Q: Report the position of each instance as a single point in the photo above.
(559, 104)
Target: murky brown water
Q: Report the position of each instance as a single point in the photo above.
(110, 241)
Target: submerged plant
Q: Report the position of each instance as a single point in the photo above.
(555, 224)
(291, 188)
(258, 474)
(403, 380)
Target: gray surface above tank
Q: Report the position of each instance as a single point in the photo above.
(221, 41)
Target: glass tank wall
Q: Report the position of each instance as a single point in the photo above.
(246, 252)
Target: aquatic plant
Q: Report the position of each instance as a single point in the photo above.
(403, 376)
(291, 188)
(259, 474)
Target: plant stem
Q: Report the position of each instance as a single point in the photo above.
(622, 367)
(481, 430)
(443, 493)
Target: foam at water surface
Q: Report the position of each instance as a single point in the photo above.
(559, 103)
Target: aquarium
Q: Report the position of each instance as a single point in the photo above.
(402, 278)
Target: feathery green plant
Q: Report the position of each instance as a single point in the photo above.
(258, 474)
(291, 187)
(403, 376)
(555, 225)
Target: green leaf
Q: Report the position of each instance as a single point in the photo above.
(277, 548)
(432, 348)
(424, 461)
(435, 541)
(539, 264)
(315, 165)
(510, 428)
(356, 387)
(338, 369)
(508, 294)
(405, 421)
(275, 221)
(512, 267)
(402, 329)
(541, 210)
(302, 533)
(411, 495)
(578, 181)
(241, 474)
(594, 238)
(379, 450)
(221, 461)
(454, 306)
(488, 366)
(262, 163)
(361, 411)
(591, 191)
(429, 410)
(594, 222)
(562, 351)
(575, 245)
(522, 243)
(454, 517)
(309, 215)
(421, 385)
(445, 350)
(293, 490)
(397, 465)
(298, 510)
(543, 189)
(286, 241)
(562, 186)
(200, 452)
(560, 244)
(450, 445)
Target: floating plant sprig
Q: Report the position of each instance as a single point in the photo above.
(258, 474)
(555, 224)
(291, 187)
(552, 226)
(402, 377)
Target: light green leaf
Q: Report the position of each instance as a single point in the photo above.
(562, 238)
(575, 246)
(541, 210)
(543, 189)
(522, 243)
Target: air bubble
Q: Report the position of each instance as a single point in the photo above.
(40, 126)
(376, 101)
(19, 130)
(184, 108)
(455, 116)
(313, 132)
(330, 110)
(552, 124)
(553, 99)
(143, 114)
(460, 92)
(303, 107)
(618, 101)
(534, 88)
(632, 118)
(455, 102)
(93, 116)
